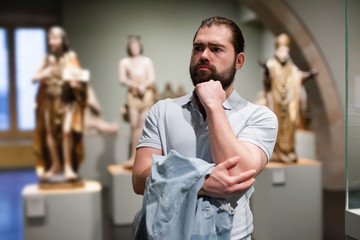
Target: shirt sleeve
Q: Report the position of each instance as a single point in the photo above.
(150, 136)
(261, 130)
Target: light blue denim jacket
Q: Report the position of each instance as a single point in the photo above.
(171, 206)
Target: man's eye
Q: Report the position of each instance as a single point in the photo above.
(216, 50)
(197, 48)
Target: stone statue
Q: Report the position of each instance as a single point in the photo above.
(137, 73)
(60, 104)
(282, 83)
(93, 121)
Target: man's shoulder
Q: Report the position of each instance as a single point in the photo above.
(260, 113)
(179, 101)
(250, 109)
(169, 105)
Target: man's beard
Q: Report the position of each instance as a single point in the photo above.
(226, 77)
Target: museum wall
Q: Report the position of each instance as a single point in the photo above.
(325, 20)
(353, 108)
(98, 32)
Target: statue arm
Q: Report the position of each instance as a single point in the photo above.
(92, 100)
(123, 79)
(267, 79)
(151, 74)
(308, 74)
(42, 72)
(74, 61)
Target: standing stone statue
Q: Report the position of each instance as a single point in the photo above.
(282, 83)
(137, 73)
(60, 104)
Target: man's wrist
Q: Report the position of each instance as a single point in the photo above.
(201, 192)
(213, 109)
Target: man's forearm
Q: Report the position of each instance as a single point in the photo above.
(223, 142)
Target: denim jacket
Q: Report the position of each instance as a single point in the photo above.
(172, 208)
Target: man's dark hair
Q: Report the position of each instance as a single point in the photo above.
(237, 40)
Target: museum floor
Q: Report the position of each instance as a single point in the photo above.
(11, 185)
(13, 181)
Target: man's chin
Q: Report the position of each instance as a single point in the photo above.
(202, 80)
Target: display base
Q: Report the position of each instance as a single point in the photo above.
(124, 202)
(287, 202)
(59, 214)
(102, 151)
(352, 219)
(63, 185)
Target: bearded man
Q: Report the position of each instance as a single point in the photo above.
(212, 123)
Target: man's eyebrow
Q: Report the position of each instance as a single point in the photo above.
(211, 44)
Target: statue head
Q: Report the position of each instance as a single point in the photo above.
(134, 46)
(57, 41)
(282, 45)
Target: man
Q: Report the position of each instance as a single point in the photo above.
(213, 123)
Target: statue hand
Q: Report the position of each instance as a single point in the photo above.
(310, 73)
(74, 84)
(142, 90)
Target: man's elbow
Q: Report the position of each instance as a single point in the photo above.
(138, 188)
(138, 191)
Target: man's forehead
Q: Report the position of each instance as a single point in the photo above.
(216, 34)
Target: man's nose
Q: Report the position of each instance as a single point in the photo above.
(205, 54)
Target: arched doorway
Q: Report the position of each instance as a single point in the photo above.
(325, 103)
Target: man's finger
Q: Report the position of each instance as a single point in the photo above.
(230, 163)
(244, 176)
(240, 188)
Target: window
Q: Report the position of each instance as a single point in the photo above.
(21, 52)
(30, 49)
(4, 82)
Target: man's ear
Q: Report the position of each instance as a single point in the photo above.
(240, 59)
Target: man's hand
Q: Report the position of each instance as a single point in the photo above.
(211, 94)
(220, 184)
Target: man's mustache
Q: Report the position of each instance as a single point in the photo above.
(205, 63)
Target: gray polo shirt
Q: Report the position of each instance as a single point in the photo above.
(177, 124)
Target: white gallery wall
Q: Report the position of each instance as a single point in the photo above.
(325, 20)
(98, 32)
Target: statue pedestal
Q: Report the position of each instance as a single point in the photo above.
(124, 202)
(100, 152)
(59, 214)
(287, 202)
